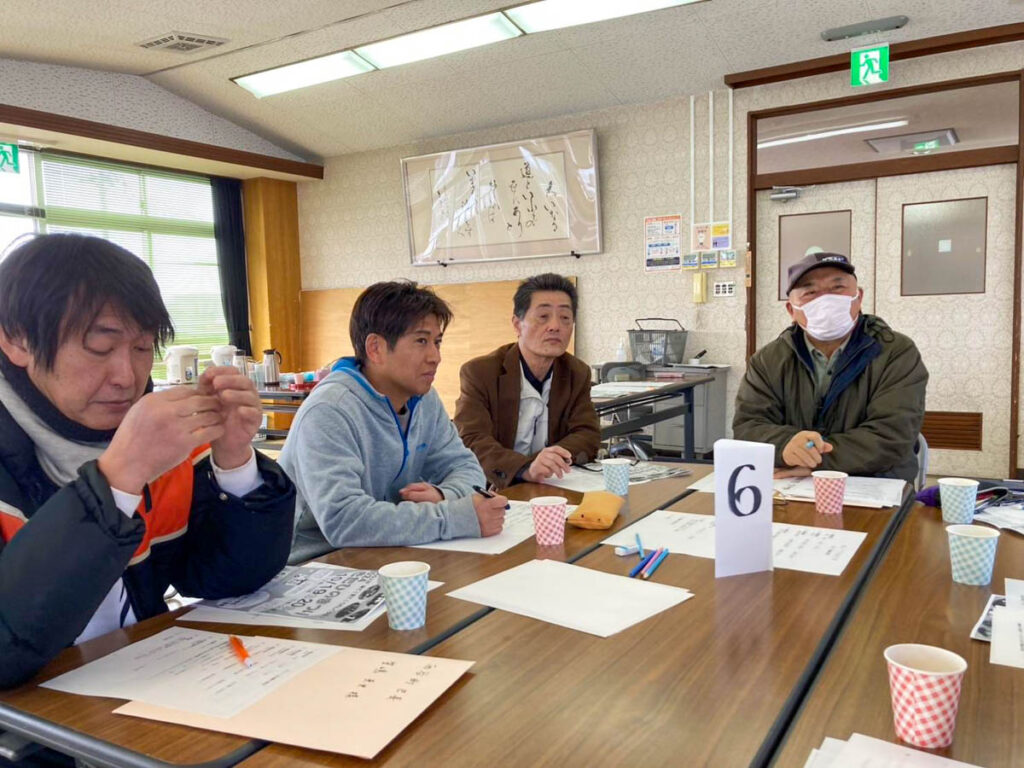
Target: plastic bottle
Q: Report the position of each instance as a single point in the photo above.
(620, 353)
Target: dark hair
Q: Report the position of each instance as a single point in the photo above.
(549, 281)
(390, 310)
(54, 286)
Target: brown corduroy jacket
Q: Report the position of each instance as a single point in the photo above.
(487, 411)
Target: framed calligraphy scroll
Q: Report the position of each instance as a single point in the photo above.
(517, 200)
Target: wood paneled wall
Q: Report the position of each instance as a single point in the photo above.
(483, 321)
(956, 430)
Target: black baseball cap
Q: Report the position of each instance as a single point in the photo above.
(814, 261)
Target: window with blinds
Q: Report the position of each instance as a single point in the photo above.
(18, 214)
(163, 218)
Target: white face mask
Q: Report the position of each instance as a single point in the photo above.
(828, 316)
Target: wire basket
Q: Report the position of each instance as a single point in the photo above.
(657, 347)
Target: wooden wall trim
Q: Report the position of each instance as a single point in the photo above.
(927, 46)
(751, 267)
(953, 430)
(32, 118)
(1018, 230)
(968, 158)
(868, 97)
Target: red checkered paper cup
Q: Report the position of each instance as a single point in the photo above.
(549, 519)
(829, 488)
(925, 685)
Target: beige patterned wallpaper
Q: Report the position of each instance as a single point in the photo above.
(128, 101)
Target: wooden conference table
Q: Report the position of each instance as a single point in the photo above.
(913, 599)
(86, 728)
(712, 681)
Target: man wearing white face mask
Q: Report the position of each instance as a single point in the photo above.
(838, 389)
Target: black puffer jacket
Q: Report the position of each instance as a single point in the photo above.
(61, 549)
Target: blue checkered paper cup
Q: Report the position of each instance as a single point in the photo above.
(616, 475)
(957, 496)
(405, 593)
(972, 553)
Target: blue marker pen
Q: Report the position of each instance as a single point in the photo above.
(639, 566)
(639, 547)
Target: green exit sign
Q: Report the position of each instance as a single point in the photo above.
(869, 66)
(926, 146)
(9, 158)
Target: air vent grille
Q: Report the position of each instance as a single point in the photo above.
(182, 42)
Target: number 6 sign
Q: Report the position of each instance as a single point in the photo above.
(743, 507)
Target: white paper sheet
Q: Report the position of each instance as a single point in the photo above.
(584, 480)
(866, 752)
(795, 547)
(192, 670)
(1015, 594)
(1007, 637)
(298, 596)
(873, 492)
(590, 601)
(1010, 517)
(609, 390)
(518, 528)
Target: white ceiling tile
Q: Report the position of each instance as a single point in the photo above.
(657, 65)
(525, 89)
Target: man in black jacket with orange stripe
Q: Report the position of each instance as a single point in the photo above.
(110, 493)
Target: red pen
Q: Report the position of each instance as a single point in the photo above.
(239, 650)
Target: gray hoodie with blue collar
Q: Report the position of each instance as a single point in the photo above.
(349, 456)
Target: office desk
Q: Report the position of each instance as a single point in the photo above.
(84, 726)
(278, 400)
(649, 393)
(708, 682)
(912, 599)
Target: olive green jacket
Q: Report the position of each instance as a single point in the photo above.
(871, 413)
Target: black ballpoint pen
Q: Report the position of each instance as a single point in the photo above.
(487, 494)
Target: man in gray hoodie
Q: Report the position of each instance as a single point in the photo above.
(373, 454)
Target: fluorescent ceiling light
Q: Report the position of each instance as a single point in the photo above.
(437, 41)
(835, 132)
(322, 69)
(555, 14)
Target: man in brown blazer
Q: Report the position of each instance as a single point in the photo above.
(525, 409)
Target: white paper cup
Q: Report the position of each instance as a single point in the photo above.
(549, 519)
(405, 593)
(829, 489)
(616, 475)
(957, 496)
(972, 553)
(925, 683)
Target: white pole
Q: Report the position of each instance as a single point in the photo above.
(711, 156)
(731, 142)
(693, 184)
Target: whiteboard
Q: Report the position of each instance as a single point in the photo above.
(521, 199)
